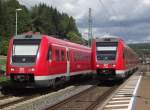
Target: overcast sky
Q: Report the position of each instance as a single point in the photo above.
(129, 19)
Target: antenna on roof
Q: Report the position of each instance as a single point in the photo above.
(90, 27)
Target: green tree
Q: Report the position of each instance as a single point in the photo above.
(8, 21)
(40, 18)
(73, 37)
(4, 46)
(49, 21)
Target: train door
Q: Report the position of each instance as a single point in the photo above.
(68, 64)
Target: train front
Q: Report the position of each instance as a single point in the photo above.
(21, 59)
(106, 52)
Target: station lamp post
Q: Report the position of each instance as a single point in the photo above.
(19, 9)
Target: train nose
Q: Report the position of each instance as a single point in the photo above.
(22, 70)
(106, 65)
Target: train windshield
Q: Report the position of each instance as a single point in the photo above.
(106, 55)
(25, 51)
(106, 50)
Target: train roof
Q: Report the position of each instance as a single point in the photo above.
(65, 43)
(50, 39)
(26, 36)
(108, 38)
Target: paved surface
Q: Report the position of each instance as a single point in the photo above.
(143, 95)
(125, 96)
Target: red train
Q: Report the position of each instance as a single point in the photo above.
(42, 60)
(112, 58)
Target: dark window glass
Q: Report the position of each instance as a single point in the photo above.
(26, 41)
(62, 55)
(49, 55)
(25, 50)
(57, 55)
(106, 44)
(106, 55)
(67, 55)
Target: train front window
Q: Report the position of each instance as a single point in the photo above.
(25, 49)
(106, 50)
(106, 55)
(106, 44)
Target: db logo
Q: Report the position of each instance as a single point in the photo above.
(105, 65)
(78, 66)
(21, 70)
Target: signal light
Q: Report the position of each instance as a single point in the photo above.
(28, 36)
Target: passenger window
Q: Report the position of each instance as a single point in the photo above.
(67, 55)
(57, 55)
(49, 56)
(62, 55)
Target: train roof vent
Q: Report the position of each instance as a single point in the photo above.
(107, 39)
(28, 36)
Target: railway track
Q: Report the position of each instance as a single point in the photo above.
(6, 101)
(12, 102)
(12, 97)
(88, 99)
(85, 100)
(96, 96)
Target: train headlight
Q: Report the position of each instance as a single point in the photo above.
(32, 69)
(114, 65)
(97, 65)
(12, 69)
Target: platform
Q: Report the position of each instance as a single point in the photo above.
(143, 94)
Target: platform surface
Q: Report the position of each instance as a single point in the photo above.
(143, 94)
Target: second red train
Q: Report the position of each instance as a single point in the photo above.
(112, 58)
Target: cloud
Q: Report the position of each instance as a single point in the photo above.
(129, 19)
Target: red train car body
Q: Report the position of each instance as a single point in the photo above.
(41, 60)
(112, 58)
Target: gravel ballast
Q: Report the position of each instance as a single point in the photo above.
(45, 101)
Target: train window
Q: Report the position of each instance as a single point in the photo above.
(57, 55)
(49, 55)
(67, 55)
(106, 55)
(75, 56)
(62, 55)
(30, 50)
(105, 44)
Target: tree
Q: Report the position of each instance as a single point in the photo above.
(73, 37)
(49, 21)
(8, 21)
(40, 18)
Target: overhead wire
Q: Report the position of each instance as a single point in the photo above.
(108, 12)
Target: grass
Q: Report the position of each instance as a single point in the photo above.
(2, 79)
(3, 68)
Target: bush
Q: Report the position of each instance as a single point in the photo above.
(3, 46)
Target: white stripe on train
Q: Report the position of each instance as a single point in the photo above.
(48, 77)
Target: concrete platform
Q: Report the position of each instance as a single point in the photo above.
(143, 94)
